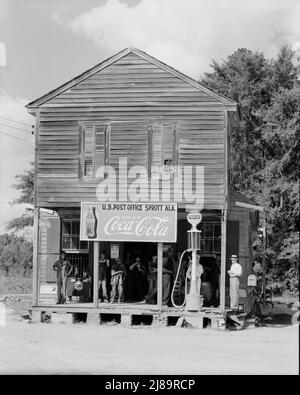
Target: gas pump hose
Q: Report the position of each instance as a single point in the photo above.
(175, 282)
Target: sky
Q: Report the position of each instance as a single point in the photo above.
(44, 43)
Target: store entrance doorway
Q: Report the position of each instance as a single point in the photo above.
(139, 273)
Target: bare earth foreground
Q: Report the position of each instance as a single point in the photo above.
(27, 348)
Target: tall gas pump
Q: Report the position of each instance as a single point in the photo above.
(193, 299)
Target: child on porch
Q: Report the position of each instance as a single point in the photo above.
(103, 271)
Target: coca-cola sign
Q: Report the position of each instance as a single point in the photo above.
(115, 221)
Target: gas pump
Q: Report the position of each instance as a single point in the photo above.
(192, 299)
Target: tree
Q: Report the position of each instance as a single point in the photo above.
(25, 184)
(266, 145)
(15, 254)
(15, 251)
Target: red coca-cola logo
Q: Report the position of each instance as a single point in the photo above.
(149, 226)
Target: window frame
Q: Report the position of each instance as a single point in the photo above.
(72, 250)
(163, 156)
(215, 239)
(83, 156)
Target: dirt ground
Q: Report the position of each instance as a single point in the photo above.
(27, 348)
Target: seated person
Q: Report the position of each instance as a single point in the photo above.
(85, 294)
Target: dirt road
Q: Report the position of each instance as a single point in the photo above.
(110, 349)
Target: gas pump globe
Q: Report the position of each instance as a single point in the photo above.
(193, 299)
(194, 239)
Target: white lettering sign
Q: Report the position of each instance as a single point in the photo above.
(155, 222)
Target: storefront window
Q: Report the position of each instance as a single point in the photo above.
(211, 237)
(70, 236)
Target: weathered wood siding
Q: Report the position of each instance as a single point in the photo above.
(49, 246)
(138, 93)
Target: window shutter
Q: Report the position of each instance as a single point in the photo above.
(168, 144)
(88, 151)
(100, 142)
(157, 145)
(164, 145)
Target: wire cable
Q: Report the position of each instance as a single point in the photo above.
(17, 138)
(16, 127)
(13, 120)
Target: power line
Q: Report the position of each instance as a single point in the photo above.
(16, 127)
(17, 138)
(13, 120)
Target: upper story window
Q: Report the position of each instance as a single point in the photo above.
(164, 152)
(93, 149)
(154, 145)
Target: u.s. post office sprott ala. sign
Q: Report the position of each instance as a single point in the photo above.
(115, 221)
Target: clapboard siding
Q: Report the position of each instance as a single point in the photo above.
(134, 97)
(48, 247)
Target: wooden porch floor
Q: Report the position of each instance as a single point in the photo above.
(124, 308)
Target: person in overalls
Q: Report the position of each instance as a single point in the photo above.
(63, 270)
(118, 273)
(235, 273)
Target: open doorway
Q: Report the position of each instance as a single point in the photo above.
(140, 261)
(210, 280)
(131, 276)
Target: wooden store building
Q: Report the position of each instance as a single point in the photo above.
(135, 110)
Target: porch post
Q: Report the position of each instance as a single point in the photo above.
(96, 273)
(159, 274)
(35, 269)
(223, 260)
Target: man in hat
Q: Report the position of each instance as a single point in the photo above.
(235, 273)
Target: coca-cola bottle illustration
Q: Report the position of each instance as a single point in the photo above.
(91, 223)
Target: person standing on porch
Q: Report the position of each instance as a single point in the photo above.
(103, 271)
(118, 274)
(235, 273)
(152, 280)
(63, 270)
(199, 272)
(167, 273)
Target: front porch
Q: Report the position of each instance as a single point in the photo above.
(129, 314)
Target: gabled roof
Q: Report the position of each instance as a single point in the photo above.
(48, 96)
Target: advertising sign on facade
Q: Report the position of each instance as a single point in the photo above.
(115, 221)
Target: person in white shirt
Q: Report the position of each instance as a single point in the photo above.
(235, 273)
